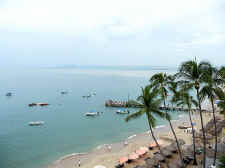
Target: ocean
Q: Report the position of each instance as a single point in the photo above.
(66, 129)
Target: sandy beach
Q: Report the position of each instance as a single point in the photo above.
(109, 154)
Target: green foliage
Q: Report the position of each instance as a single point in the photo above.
(222, 162)
(160, 81)
(221, 95)
(185, 99)
(151, 102)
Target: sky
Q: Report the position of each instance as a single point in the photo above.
(111, 32)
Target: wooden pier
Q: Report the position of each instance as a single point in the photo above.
(135, 104)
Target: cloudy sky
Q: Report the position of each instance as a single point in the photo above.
(111, 32)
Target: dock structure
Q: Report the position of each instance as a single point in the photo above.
(135, 104)
(130, 103)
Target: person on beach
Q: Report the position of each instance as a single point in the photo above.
(79, 163)
(109, 148)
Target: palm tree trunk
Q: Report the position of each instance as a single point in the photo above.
(214, 119)
(193, 137)
(203, 130)
(153, 136)
(174, 134)
(178, 145)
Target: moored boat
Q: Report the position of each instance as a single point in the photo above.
(32, 104)
(121, 111)
(92, 113)
(64, 92)
(42, 104)
(8, 94)
(36, 123)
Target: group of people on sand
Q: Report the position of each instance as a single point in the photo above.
(109, 147)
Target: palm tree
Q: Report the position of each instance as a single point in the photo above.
(222, 71)
(194, 75)
(173, 87)
(221, 95)
(184, 99)
(160, 81)
(222, 162)
(151, 103)
(209, 91)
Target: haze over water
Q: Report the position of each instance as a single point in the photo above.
(66, 129)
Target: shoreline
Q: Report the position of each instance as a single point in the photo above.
(97, 154)
(109, 154)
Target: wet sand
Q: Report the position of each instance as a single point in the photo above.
(109, 154)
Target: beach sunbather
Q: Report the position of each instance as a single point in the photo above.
(79, 163)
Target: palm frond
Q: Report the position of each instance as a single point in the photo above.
(135, 115)
(152, 120)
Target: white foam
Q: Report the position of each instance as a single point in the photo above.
(69, 156)
(132, 136)
(160, 126)
(101, 146)
(180, 116)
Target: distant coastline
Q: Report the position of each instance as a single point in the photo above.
(116, 67)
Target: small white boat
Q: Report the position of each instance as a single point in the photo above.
(92, 114)
(121, 111)
(88, 96)
(36, 123)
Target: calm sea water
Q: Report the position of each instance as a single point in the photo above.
(66, 130)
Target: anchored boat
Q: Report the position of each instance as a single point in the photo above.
(36, 123)
(92, 113)
(122, 111)
(8, 94)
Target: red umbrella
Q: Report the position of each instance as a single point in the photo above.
(133, 156)
(140, 152)
(144, 148)
(123, 160)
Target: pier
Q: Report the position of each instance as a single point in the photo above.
(135, 104)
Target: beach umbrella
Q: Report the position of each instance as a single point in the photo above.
(152, 145)
(172, 148)
(99, 166)
(140, 152)
(217, 101)
(140, 166)
(123, 160)
(180, 141)
(160, 142)
(166, 153)
(150, 162)
(176, 164)
(133, 156)
(144, 148)
(159, 158)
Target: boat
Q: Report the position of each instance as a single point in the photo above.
(32, 104)
(42, 104)
(88, 96)
(92, 114)
(8, 94)
(36, 123)
(122, 111)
